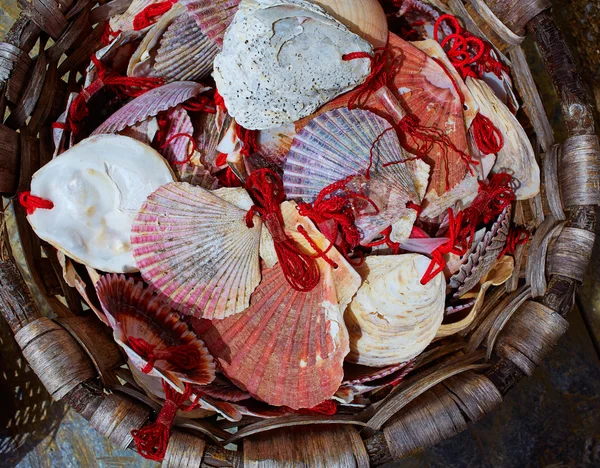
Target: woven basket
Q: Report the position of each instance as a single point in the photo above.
(458, 382)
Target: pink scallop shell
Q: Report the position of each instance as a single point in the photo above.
(136, 312)
(213, 16)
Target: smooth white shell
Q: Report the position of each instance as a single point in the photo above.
(393, 317)
(282, 60)
(97, 188)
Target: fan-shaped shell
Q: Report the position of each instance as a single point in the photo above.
(195, 248)
(516, 156)
(213, 16)
(136, 312)
(394, 317)
(272, 72)
(150, 104)
(124, 21)
(175, 49)
(177, 151)
(288, 347)
(339, 144)
(482, 256)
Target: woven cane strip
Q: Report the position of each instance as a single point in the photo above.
(503, 32)
(571, 253)
(184, 450)
(580, 171)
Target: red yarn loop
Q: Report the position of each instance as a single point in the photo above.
(219, 101)
(200, 104)
(193, 148)
(487, 137)
(32, 203)
(386, 240)
(379, 76)
(108, 35)
(249, 139)
(266, 189)
(516, 236)
(152, 440)
(151, 13)
(470, 55)
(327, 408)
(183, 357)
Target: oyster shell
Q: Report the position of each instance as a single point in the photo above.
(281, 61)
(97, 187)
(517, 156)
(394, 317)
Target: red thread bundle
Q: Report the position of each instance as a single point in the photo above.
(183, 357)
(32, 203)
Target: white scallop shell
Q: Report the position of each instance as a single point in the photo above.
(393, 317)
(281, 61)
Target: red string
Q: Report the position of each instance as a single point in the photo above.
(328, 408)
(183, 357)
(200, 104)
(150, 14)
(266, 189)
(193, 149)
(487, 137)
(226, 176)
(219, 101)
(32, 203)
(471, 55)
(152, 440)
(319, 253)
(249, 140)
(516, 236)
(108, 35)
(378, 77)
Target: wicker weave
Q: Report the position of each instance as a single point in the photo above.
(455, 384)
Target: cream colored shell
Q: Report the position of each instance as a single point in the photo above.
(393, 317)
(97, 188)
(282, 60)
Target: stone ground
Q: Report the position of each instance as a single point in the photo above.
(549, 420)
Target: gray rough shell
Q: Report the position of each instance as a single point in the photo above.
(482, 256)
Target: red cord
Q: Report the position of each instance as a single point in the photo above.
(150, 14)
(249, 140)
(152, 440)
(219, 101)
(183, 357)
(32, 203)
(516, 236)
(266, 189)
(108, 35)
(488, 138)
(327, 408)
(193, 149)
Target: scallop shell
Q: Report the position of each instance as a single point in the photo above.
(336, 145)
(124, 22)
(207, 135)
(517, 156)
(482, 256)
(213, 16)
(271, 72)
(275, 143)
(195, 248)
(288, 347)
(175, 49)
(150, 104)
(96, 193)
(394, 317)
(136, 312)
(363, 17)
(178, 151)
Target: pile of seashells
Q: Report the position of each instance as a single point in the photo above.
(282, 203)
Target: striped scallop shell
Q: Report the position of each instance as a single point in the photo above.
(178, 151)
(213, 16)
(288, 347)
(150, 104)
(136, 312)
(339, 144)
(195, 248)
(483, 255)
(185, 52)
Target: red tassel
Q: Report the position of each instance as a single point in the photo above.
(487, 137)
(32, 203)
(150, 14)
(266, 189)
(327, 408)
(183, 357)
(152, 440)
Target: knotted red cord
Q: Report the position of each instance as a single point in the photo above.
(183, 357)
(226, 176)
(493, 197)
(249, 140)
(32, 203)
(327, 408)
(266, 189)
(516, 236)
(378, 77)
(471, 55)
(108, 35)
(151, 13)
(488, 138)
(152, 440)
(438, 263)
